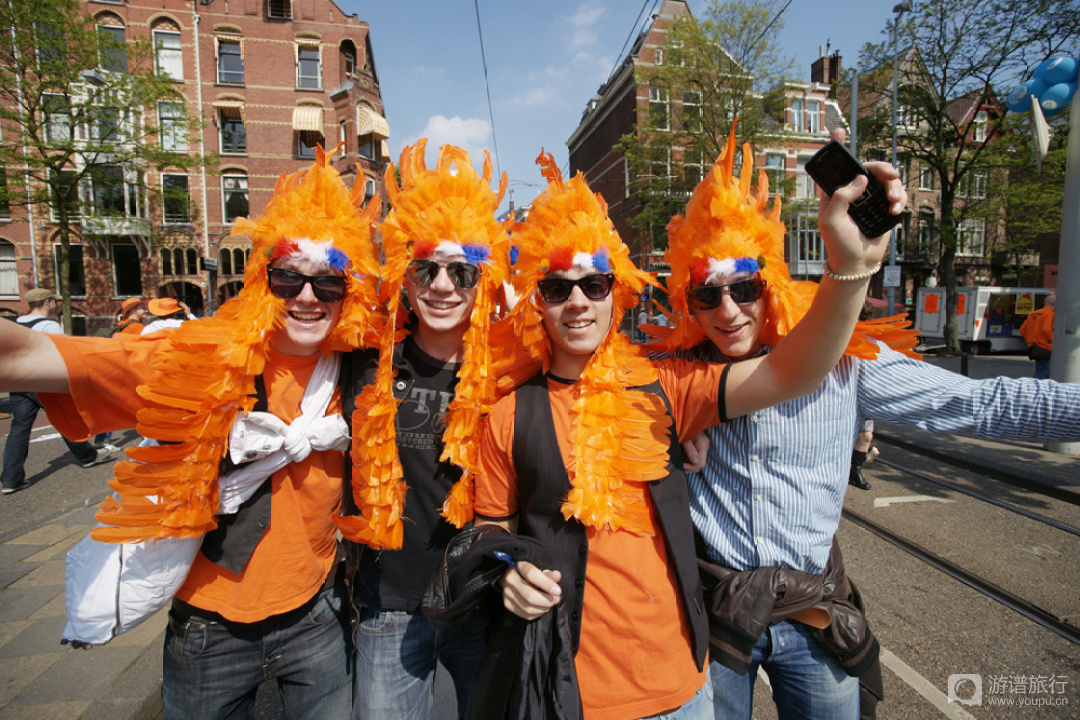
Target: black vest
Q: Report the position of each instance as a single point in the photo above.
(543, 485)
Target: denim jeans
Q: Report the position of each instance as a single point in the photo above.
(396, 655)
(24, 410)
(1042, 369)
(807, 683)
(213, 669)
(699, 707)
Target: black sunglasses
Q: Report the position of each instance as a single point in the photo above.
(743, 292)
(289, 283)
(463, 274)
(595, 287)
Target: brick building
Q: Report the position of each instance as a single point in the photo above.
(270, 79)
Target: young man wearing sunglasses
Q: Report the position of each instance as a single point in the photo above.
(251, 391)
(615, 513)
(768, 501)
(446, 258)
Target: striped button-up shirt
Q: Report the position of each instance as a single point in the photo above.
(773, 485)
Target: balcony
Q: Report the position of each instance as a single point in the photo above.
(129, 226)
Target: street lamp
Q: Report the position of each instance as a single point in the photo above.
(899, 9)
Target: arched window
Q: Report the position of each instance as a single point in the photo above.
(225, 261)
(239, 260)
(166, 261)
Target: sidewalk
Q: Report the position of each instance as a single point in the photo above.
(42, 679)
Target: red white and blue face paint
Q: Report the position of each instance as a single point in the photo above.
(565, 260)
(452, 250)
(713, 271)
(322, 254)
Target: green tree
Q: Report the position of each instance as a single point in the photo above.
(713, 71)
(965, 53)
(93, 115)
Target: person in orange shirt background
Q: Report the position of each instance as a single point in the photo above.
(1038, 332)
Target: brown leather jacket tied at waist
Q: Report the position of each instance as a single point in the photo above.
(742, 604)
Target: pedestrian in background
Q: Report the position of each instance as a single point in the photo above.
(25, 406)
(1038, 332)
(166, 312)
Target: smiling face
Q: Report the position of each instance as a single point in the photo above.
(308, 320)
(576, 326)
(443, 310)
(735, 329)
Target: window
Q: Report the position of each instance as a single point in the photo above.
(175, 200)
(980, 130)
(974, 184)
(179, 261)
(51, 46)
(971, 238)
(76, 274)
(797, 115)
(112, 48)
(804, 184)
(369, 189)
(106, 125)
(127, 271)
(57, 119)
(905, 115)
(5, 204)
(107, 190)
(308, 70)
(9, 272)
(234, 196)
(658, 108)
(366, 146)
(279, 9)
(233, 135)
(343, 134)
(693, 168)
(774, 170)
(926, 233)
(659, 57)
(230, 62)
(225, 261)
(66, 191)
(691, 112)
(171, 124)
(660, 168)
(305, 144)
(927, 177)
(168, 54)
(813, 116)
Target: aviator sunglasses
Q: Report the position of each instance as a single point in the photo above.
(463, 274)
(743, 292)
(289, 283)
(595, 287)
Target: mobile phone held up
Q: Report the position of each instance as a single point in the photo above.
(832, 167)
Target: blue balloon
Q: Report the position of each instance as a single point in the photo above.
(1060, 70)
(1057, 96)
(1037, 86)
(1019, 100)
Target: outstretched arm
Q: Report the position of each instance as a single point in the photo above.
(800, 361)
(30, 362)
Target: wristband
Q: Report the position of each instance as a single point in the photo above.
(850, 278)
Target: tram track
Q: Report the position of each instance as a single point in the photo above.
(1027, 609)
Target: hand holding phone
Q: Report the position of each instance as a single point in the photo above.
(833, 167)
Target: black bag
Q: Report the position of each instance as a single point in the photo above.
(1038, 352)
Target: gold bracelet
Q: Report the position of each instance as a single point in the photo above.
(850, 278)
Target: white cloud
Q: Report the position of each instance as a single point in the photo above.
(470, 134)
(434, 74)
(582, 23)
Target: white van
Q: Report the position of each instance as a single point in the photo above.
(988, 319)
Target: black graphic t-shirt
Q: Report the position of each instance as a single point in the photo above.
(395, 580)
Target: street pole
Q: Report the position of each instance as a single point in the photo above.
(1065, 360)
(899, 10)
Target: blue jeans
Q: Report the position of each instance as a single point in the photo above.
(213, 668)
(1042, 369)
(807, 683)
(396, 655)
(699, 707)
(24, 410)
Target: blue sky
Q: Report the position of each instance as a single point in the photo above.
(545, 60)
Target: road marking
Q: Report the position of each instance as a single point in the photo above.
(43, 438)
(924, 687)
(886, 502)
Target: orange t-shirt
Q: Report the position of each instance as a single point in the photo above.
(635, 658)
(284, 572)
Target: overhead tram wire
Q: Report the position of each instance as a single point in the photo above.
(633, 33)
(487, 86)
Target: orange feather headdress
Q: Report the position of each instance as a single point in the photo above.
(448, 204)
(206, 373)
(619, 434)
(728, 230)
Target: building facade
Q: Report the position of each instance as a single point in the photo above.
(270, 80)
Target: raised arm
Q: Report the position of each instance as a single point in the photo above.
(800, 361)
(30, 362)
